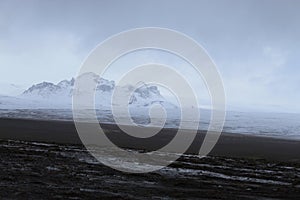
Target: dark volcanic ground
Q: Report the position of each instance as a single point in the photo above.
(49, 171)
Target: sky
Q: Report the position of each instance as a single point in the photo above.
(254, 43)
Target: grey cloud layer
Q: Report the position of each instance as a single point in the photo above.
(254, 43)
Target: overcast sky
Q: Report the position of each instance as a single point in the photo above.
(254, 43)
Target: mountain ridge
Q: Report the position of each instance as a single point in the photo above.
(51, 95)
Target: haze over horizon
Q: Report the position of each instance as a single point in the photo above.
(255, 44)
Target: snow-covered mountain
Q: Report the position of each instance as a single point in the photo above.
(59, 96)
(10, 89)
